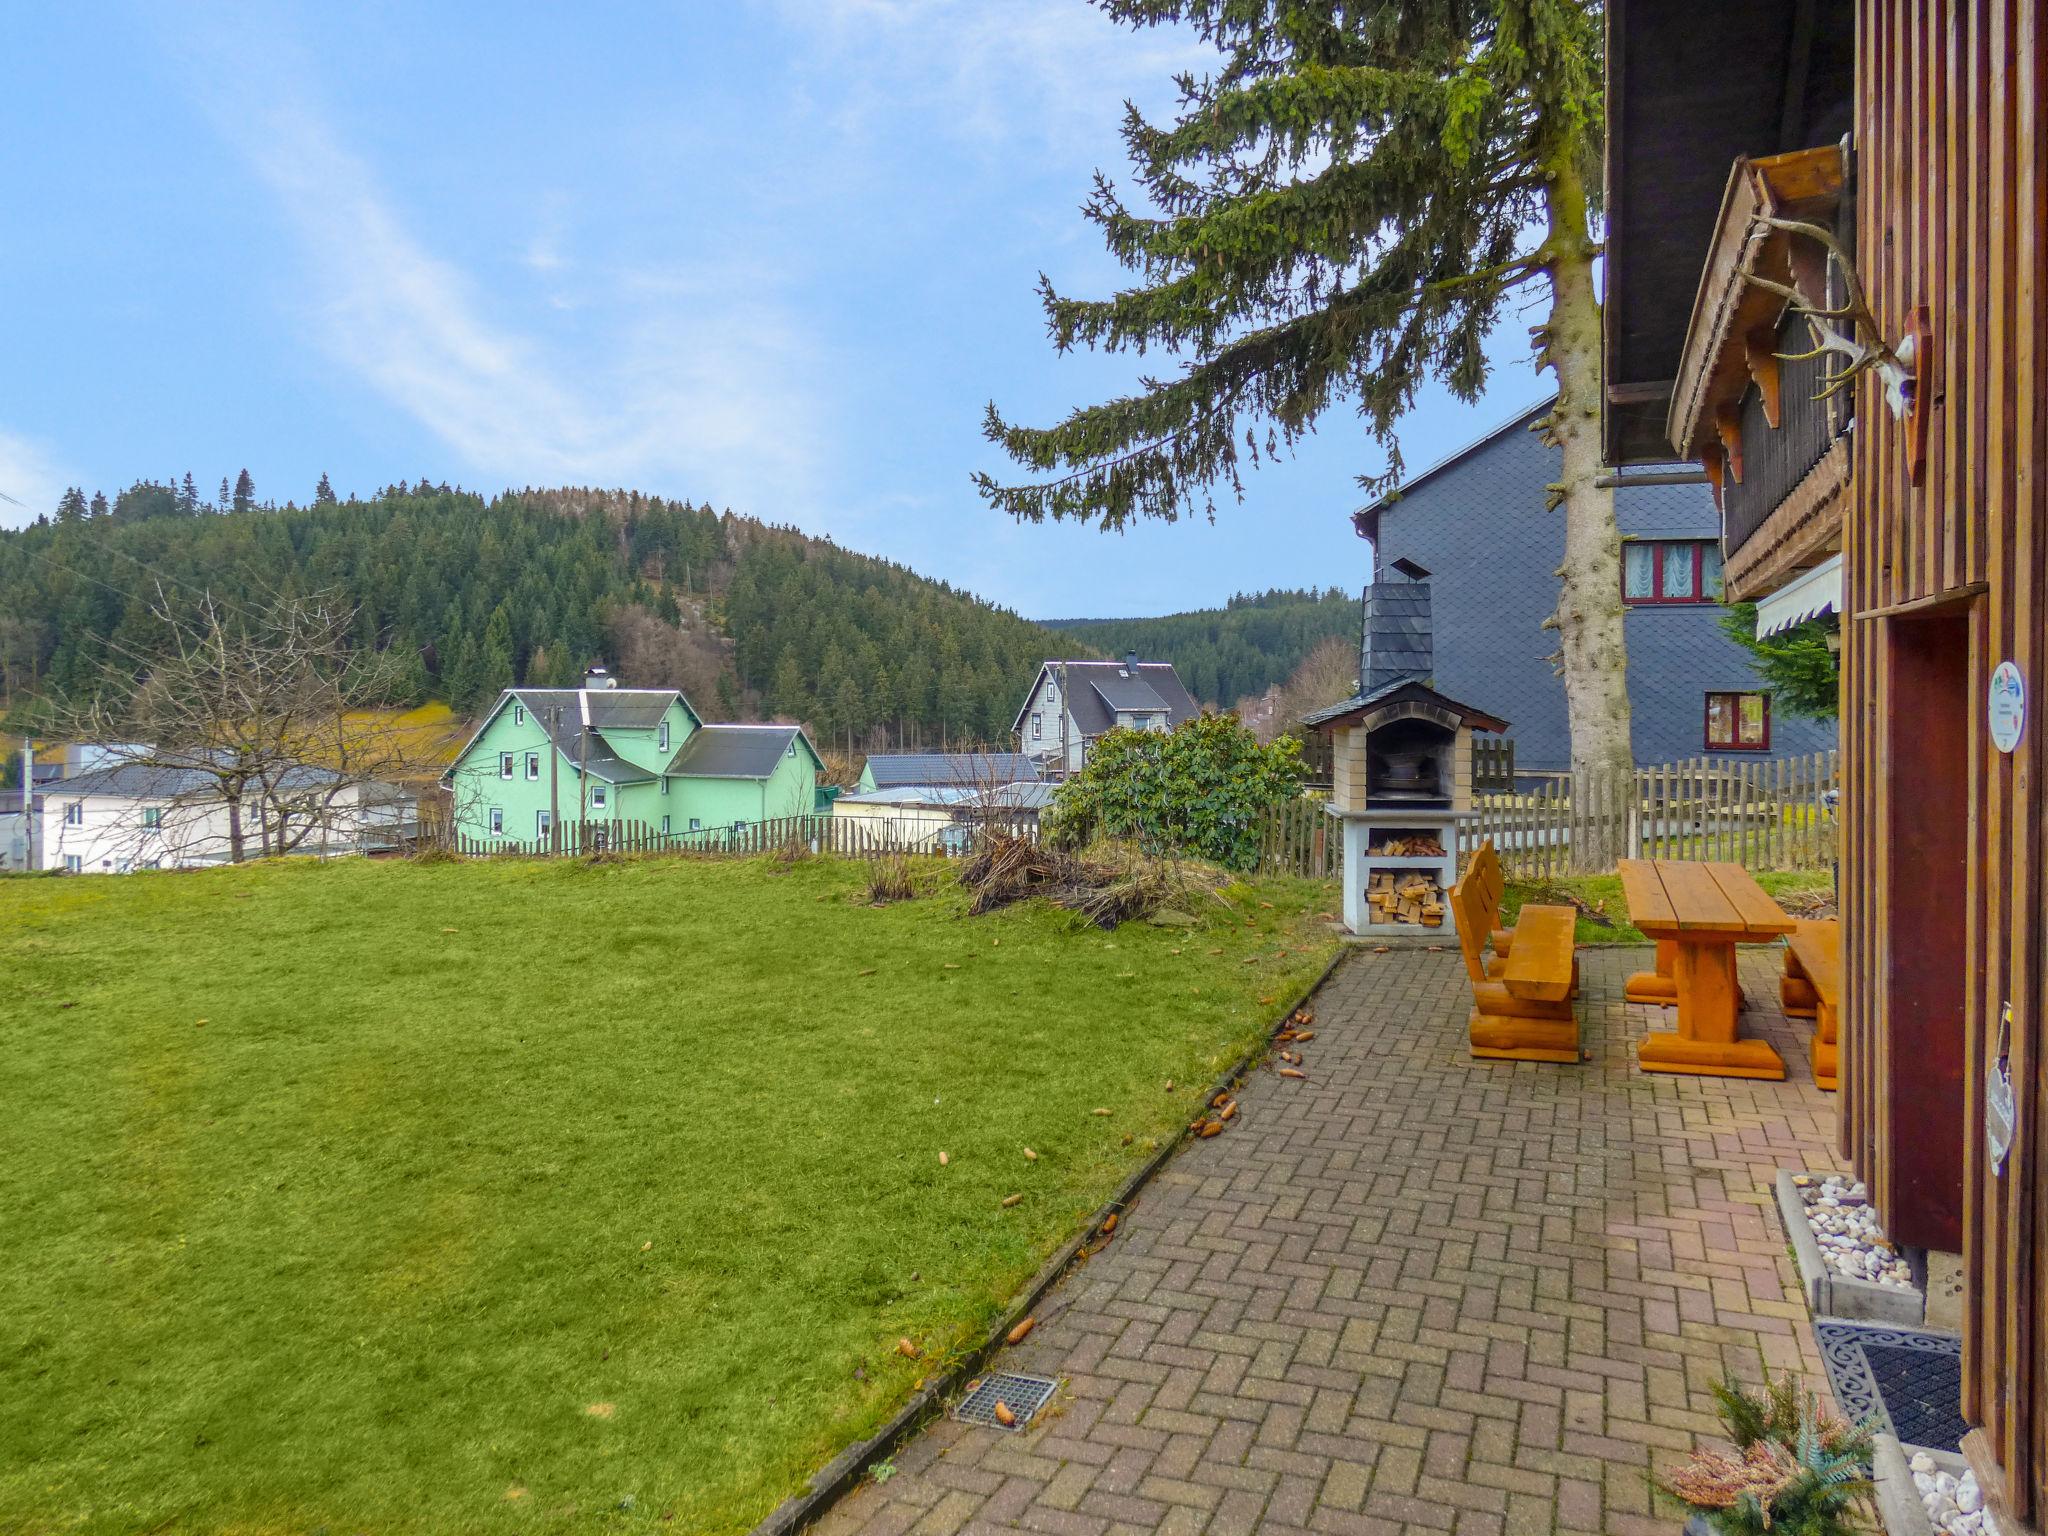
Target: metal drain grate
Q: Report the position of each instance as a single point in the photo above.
(1022, 1395)
(1909, 1381)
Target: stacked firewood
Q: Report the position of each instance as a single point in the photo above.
(1422, 846)
(1404, 896)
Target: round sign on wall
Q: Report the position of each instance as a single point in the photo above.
(2007, 706)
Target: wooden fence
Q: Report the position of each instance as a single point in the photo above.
(817, 833)
(1301, 838)
(1775, 814)
(1761, 814)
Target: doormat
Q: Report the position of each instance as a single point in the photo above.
(1907, 1381)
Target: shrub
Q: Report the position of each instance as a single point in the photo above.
(1794, 1471)
(1200, 789)
(889, 879)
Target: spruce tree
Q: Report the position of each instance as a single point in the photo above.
(71, 506)
(188, 495)
(99, 504)
(226, 495)
(245, 492)
(323, 493)
(1343, 210)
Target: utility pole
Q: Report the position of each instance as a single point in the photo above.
(554, 780)
(1063, 720)
(28, 802)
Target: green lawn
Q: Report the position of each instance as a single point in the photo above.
(1604, 892)
(537, 1197)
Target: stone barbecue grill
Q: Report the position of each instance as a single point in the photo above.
(1401, 771)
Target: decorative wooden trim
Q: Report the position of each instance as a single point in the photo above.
(1712, 370)
(1760, 355)
(1715, 464)
(1803, 530)
(1728, 424)
(1954, 597)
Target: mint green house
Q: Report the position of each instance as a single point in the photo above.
(603, 755)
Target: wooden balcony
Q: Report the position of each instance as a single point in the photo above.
(1777, 454)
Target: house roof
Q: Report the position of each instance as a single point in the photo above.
(1032, 796)
(892, 769)
(1367, 518)
(1126, 695)
(1092, 684)
(148, 781)
(737, 751)
(561, 712)
(1402, 691)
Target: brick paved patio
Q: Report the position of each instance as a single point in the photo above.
(1414, 1293)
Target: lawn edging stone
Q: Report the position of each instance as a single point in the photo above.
(841, 1475)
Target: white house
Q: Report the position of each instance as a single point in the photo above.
(135, 816)
(1071, 703)
(942, 818)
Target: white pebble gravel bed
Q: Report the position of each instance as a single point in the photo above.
(1955, 1505)
(1852, 1244)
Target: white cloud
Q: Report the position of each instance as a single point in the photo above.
(1054, 71)
(697, 387)
(30, 481)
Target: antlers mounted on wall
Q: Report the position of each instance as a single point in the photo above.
(1894, 366)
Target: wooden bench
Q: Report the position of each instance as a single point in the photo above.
(1521, 1000)
(1487, 885)
(1812, 988)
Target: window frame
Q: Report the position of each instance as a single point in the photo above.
(600, 794)
(496, 821)
(661, 737)
(1657, 599)
(74, 813)
(508, 765)
(1738, 744)
(519, 714)
(696, 824)
(543, 825)
(533, 767)
(152, 818)
(664, 826)
(73, 864)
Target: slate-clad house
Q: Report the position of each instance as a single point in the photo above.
(1474, 528)
(1071, 703)
(548, 757)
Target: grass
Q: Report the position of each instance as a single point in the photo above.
(1603, 892)
(534, 1196)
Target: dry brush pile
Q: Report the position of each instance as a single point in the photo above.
(1107, 884)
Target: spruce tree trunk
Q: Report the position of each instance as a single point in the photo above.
(1592, 651)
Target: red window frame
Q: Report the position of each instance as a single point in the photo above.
(1657, 599)
(1737, 745)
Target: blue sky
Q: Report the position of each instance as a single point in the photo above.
(775, 256)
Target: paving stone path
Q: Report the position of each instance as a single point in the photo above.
(1413, 1293)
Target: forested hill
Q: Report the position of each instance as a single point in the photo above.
(1230, 653)
(529, 587)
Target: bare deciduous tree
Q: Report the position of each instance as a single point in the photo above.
(275, 714)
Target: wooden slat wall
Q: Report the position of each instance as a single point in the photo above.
(1951, 214)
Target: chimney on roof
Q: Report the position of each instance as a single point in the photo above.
(1395, 643)
(1131, 663)
(597, 677)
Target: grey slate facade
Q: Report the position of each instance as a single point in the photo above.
(1477, 527)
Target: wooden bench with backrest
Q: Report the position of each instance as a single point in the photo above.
(1522, 999)
(1812, 989)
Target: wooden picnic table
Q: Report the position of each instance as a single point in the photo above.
(1698, 912)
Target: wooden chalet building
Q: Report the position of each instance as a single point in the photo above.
(1882, 160)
